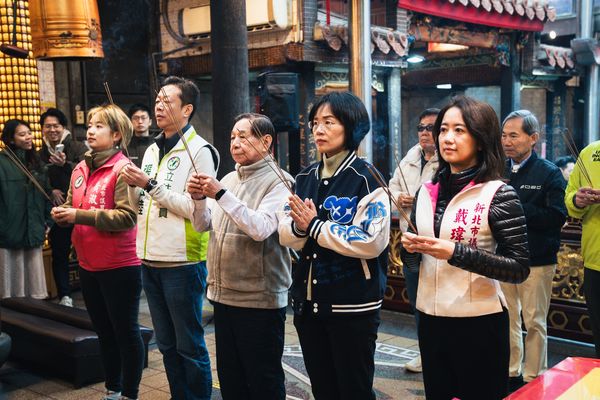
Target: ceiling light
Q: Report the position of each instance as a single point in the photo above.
(444, 86)
(415, 59)
(552, 35)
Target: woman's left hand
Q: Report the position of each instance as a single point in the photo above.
(438, 248)
(302, 212)
(64, 216)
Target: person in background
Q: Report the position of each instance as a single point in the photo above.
(24, 216)
(541, 189)
(173, 254)
(60, 152)
(566, 165)
(339, 219)
(417, 167)
(582, 198)
(141, 140)
(471, 234)
(104, 238)
(249, 272)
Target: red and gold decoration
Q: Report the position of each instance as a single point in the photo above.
(19, 89)
(574, 378)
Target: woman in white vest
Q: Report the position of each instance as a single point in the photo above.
(249, 272)
(471, 234)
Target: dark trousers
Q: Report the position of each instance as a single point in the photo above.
(411, 280)
(249, 349)
(465, 357)
(339, 354)
(60, 240)
(591, 288)
(112, 299)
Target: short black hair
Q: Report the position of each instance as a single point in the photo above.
(350, 111)
(190, 94)
(429, 112)
(138, 107)
(54, 112)
(482, 123)
(561, 162)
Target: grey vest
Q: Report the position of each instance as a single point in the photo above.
(241, 271)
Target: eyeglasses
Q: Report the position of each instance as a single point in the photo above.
(327, 125)
(428, 128)
(140, 118)
(52, 126)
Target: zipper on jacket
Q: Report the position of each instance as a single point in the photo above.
(160, 162)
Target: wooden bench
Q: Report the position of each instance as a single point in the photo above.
(56, 340)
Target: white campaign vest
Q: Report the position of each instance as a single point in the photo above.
(446, 290)
(163, 235)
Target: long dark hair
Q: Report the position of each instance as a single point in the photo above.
(32, 160)
(482, 123)
(350, 111)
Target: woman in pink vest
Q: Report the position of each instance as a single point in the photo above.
(104, 239)
(471, 234)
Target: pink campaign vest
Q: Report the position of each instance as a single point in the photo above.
(100, 250)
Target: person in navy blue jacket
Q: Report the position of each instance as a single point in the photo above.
(339, 219)
(541, 189)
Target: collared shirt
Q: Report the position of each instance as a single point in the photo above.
(514, 167)
(165, 144)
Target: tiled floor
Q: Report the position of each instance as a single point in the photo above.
(396, 344)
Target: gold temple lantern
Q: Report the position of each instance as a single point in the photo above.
(65, 29)
(19, 86)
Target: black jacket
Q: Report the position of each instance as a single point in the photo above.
(137, 147)
(541, 188)
(60, 177)
(338, 282)
(510, 263)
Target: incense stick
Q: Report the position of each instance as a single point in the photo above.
(570, 142)
(386, 189)
(13, 157)
(110, 100)
(107, 90)
(169, 110)
(264, 157)
(271, 156)
(401, 174)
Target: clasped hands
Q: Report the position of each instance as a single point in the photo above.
(586, 196)
(302, 211)
(438, 248)
(203, 185)
(63, 216)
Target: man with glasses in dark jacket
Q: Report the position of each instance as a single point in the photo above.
(541, 188)
(61, 152)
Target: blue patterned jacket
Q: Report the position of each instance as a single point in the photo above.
(343, 255)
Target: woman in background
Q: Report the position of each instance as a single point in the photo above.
(24, 216)
(104, 239)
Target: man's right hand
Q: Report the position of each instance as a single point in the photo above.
(405, 201)
(58, 197)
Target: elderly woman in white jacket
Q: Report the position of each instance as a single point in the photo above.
(248, 270)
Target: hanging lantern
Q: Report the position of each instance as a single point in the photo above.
(65, 29)
(19, 88)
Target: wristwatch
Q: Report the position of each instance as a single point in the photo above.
(152, 183)
(220, 194)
